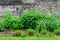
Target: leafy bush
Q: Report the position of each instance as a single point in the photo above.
(31, 32)
(7, 20)
(29, 19)
(49, 23)
(39, 20)
(16, 24)
(11, 22)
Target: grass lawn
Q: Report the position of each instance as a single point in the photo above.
(29, 38)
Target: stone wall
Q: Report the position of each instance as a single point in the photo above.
(38, 5)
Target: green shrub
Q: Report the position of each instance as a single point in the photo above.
(11, 22)
(7, 20)
(16, 24)
(49, 23)
(29, 19)
(31, 32)
(39, 21)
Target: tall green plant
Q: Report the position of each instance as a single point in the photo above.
(11, 22)
(29, 19)
(49, 23)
